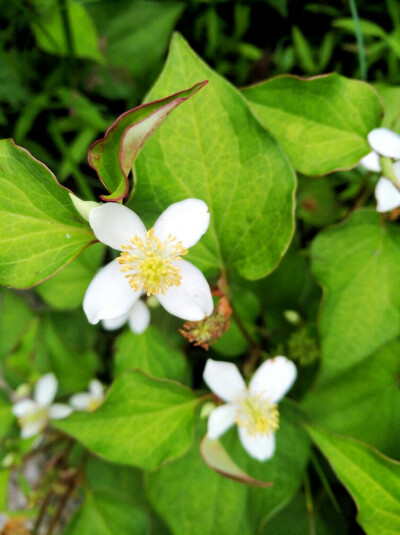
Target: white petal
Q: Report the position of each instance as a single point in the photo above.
(109, 294)
(33, 428)
(186, 221)
(112, 324)
(45, 389)
(59, 410)
(274, 378)
(23, 407)
(224, 379)
(96, 388)
(115, 224)
(81, 401)
(192, 300)
(385, 142)
(371, 162)
(139, 317)
(260, 447)
(387, 195)
(221, 419)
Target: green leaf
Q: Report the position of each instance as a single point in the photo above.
(215, 150)
(44, 232)
(193, 499)
(137, 408)
(127, 30)
(66, 290)
(322, 122)
(15, 316)
(358, 265)
(6, 416)
(107, 512)
(304, 51)
(151, 352)
(372, 479)
(50, 31)
(391, 98)
(114, 155)
(368, 28)
(369, 397)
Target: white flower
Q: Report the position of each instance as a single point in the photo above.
(33, 415)
(138, 318)
(384, 142)
(89, 401)
(253, 409)
(150, 261)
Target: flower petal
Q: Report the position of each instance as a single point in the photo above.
(396, 169)
(221, 419)
(57, 411)
(260, 447)
(139, 317)
(387, 195)
(45, 389)
(112, 324)
(385, 142)
(274, 378)
(25, 406)
(109, 295)
(33, 428)
(81, 401)
(224, 379)
(191, 300)
(186, 221)
(96, 388)
(371, 162)
(115, 224)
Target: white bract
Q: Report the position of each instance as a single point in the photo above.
(137, 317)
(89, 401)
(34, 415)
(150, 262)
(253, 408)
(384, 142)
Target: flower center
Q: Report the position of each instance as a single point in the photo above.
(33, 416)
(257, 414)
(148, 263)
(94, 403)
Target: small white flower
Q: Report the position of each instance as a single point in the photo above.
(253, 409)
(34, 415)
(89, 401)
(150, 262)
(384, 142)
(138, 318)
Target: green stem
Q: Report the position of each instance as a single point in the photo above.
(325, 482)
(69, 43)
(82, 185)
(309, 503)
(359, 39)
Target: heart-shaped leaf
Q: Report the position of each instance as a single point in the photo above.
(214, 149)
(322, 122)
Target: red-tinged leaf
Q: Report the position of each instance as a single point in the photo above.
(113, 156)
(217, 458)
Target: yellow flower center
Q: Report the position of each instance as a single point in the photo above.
(148, 263)
(33, 416)
(94, 404)
(257, 414)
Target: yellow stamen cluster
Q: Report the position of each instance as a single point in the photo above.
(257, 415)
(148, 263)
(31, 417)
